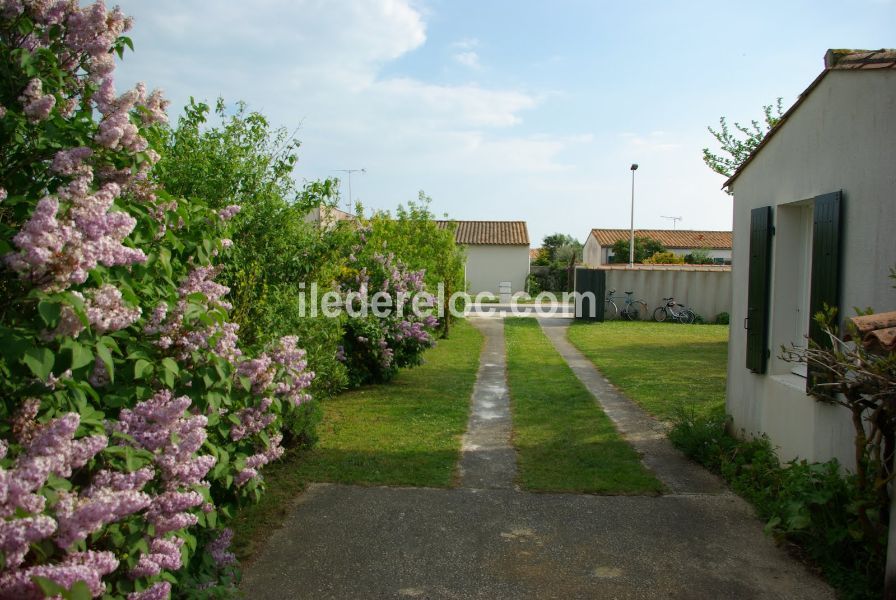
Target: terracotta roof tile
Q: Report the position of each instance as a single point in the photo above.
(498, 233)
(670, 238)
(860, 59)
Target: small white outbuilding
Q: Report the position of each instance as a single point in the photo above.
(497, 255)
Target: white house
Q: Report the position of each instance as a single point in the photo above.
(814, 224)
(497, 255)
(598, 248)
(327, 216)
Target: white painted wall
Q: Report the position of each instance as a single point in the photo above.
(706, 292)
(591, 252)
(843, 136)
(488, 266)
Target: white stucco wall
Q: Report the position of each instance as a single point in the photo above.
(843, 137)
(488, 266)
(591, 252)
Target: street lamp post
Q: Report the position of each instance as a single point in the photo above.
(631, 243)
(350, 171)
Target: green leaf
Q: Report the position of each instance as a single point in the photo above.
(106, 356)
(143, 369)
(48, 586)
(171, 365)
(49, 312)
(40, 361)
(79, 591)
(80, 354)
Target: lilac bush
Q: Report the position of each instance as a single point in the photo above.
(375, 347)
(132, 424)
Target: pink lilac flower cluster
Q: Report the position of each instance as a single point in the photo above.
(74, 230)
(50, 449)
(89, 566)
(163, 554)
(57, 250)
(182, 338)
(162, 426)
(252, 419)
(272, 452)
(229, 211)
(159, 591)
(106, 312)
(36, 104)
(219, 548)
(294, 376)
(281, 371)
(417, 331)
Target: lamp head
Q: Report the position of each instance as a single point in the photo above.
(634, 167)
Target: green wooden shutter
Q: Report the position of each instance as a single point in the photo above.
(825, 283)
(759, 287)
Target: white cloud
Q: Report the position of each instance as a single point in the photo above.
(322, 65)
(468, 58)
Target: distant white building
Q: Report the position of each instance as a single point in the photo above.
(497, 255)
(814, 223)
(327, 216)
(598, 248)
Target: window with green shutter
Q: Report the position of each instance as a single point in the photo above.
(759, 284)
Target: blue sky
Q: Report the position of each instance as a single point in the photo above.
(505, 110)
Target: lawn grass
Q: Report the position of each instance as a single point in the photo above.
(564, 440)
(664, 367)
(405, 432)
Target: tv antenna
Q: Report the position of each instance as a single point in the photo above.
(350, 171)
(675, 220)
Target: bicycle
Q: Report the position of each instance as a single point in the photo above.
(632, 310)
(611, 311)
(674, 311)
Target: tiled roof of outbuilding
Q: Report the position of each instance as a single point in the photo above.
(670, 238)
(491, 233)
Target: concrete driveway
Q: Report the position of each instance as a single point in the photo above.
(487, 539)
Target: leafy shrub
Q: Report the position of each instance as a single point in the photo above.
(722, 318)
(645, 247)
(375, 347)
(133, 424)
(664, 258)
(414, 238)
(533, 285)
(699, 256)
(811, 505)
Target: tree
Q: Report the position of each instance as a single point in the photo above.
(737, 148)
(559, 252)
(645, 247)
(552, 244)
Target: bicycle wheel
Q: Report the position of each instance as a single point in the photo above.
(631, 312)
(659, 315)
(610, 310)
(643, 313)
(687, 316)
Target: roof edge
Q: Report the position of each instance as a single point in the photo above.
(834, 59)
